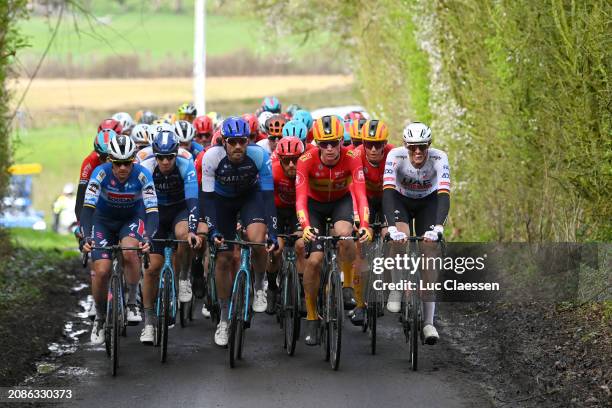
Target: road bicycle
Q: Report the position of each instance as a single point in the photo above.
(289, 312)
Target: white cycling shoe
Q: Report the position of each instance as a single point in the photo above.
(205, 312)
(221, 334)
(133, 315)
(394, 303)
(147, 335)
(185, 291)
(261, 303)
(430, 334)
(97, 332)
(91, 313)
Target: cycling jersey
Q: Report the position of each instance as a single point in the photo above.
(373, 175)
(195, 148)
(265, 144)
(178, 188)
(110, 198)
(411, 182)
(87, 167)
(197, 163)
(147, 153)
(326, 184)
(284, 187)
(250, 179)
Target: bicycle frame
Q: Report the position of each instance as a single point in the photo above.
(168, 252)
(245, 267)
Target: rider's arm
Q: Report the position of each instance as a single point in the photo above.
(86, 170)
(443, 172)
(149, 199)
(389, 177)
(188, 173)
(301, 189)
(92, 195)
(266, 184)
(207, 194)
(358, 189)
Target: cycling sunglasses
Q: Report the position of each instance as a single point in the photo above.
(233, 141)
(162, 157)
(287, 160)
(122, 163)
(421, 147)
(203, 135)
(325, 144)
(375, 145)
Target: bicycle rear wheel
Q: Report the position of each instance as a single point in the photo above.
(236, 326)
(414, 330)
(115, 323)
(336, 315)
(163, 320)
(291, 312)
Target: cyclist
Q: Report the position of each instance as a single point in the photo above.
(120, 206)
(284, 166)
(127, 123)
(262, 118)
(237, 178)
(373, 153)
(298, 129)
(147, 152)
(354, 115)
(177, 198)
(111, 124)
(326, 180)
(203, 130)
(291, 109)
(271, 104)
(187, 112)
(355, 131)
(147, 117)
(274, 127)
(416, 187)
(306, 118)
(141, 135)
(256, 135)
(185, 132)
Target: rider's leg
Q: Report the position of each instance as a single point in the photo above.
(256, 232)
(131, 267)
(99, 285)
(149, 287)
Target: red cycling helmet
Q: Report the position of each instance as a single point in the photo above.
(289, 146)
(354, 115)
(217, 139)
(251, 119)
(111, 124)
(203, 124)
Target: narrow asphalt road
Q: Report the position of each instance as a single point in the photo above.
(197, 372)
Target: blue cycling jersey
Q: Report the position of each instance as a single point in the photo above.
(195, 148)
(110, 198)
(253, 175)
(177, 187)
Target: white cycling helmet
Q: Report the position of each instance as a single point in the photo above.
(160, 127)
(141, 134)
(184, 131)
(121, 148)
(262, 119)
(417, 133)
(127, 123)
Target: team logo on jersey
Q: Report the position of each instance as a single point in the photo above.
(139, 228)
(445, 175)
(92, 189)
(143, 178)
(305, 156)
(101, 175)
(113, 183)
(85, 172)
(360, 175)
(350, 153)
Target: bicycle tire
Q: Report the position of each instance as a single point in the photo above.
(291, 313)
(165, 316)
(115, 329)
(336, 317)
(414, 335)
(236, 326)
(373, 316)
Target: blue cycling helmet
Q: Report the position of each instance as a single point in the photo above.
(165, 142)
(303, 116)
(235, 126)
(295, 128)
(102, 140)
(271, 104)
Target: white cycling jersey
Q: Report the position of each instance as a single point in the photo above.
(411, 182)
(265, 144)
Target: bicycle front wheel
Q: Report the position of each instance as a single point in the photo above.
(163, 320)
(236, 326)
(115, 326)
(291, 305)
(336, 315)
(414, 332)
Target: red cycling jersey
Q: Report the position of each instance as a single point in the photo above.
(89, 164)
(284, 187)
(326, 184)
(309, 147)
(198, 166)
(373, 175)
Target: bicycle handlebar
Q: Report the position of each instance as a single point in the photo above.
(145, 256)
(244, 243)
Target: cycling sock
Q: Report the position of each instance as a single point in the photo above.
(132, 293)
(272, 280)
(358, 289)
(311, 308)
(224, 303)
(149, 316)
(428, 312)
(259, 281)
(347, 270)
(184, 274)
(100, 310)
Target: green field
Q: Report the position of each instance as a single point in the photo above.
(44, 240)
(156, 37)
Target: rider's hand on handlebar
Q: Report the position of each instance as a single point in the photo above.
(87, 245)
(365, 235)
(396, 235)
(433, 235)
(217, 238)
(271, 244)
(145, 245)
(310, 234)
(195, 241)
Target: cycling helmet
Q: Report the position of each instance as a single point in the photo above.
(417, 133)
(203, 124)
(354, 115)
(186, 109)
(295, 128)
(251, 119)
(328, 128)
(216, 140)
(305, 117)
(346, 139)
(289, 147)
(121, 147)
(148, 117)
(102, 139)
(141, 134)
(275, 125)
(262, 119)
(161, 127)
(271, 104)
(355, 129)
(184, 131)
(293, 108)
(375, 131)
(235, 126)
(127, 123)
(110, 124)
(169, 118)
(165, 142)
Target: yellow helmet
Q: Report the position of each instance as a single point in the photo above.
(355, 128)
(328, 128)
(187, 112)
(375, 131)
